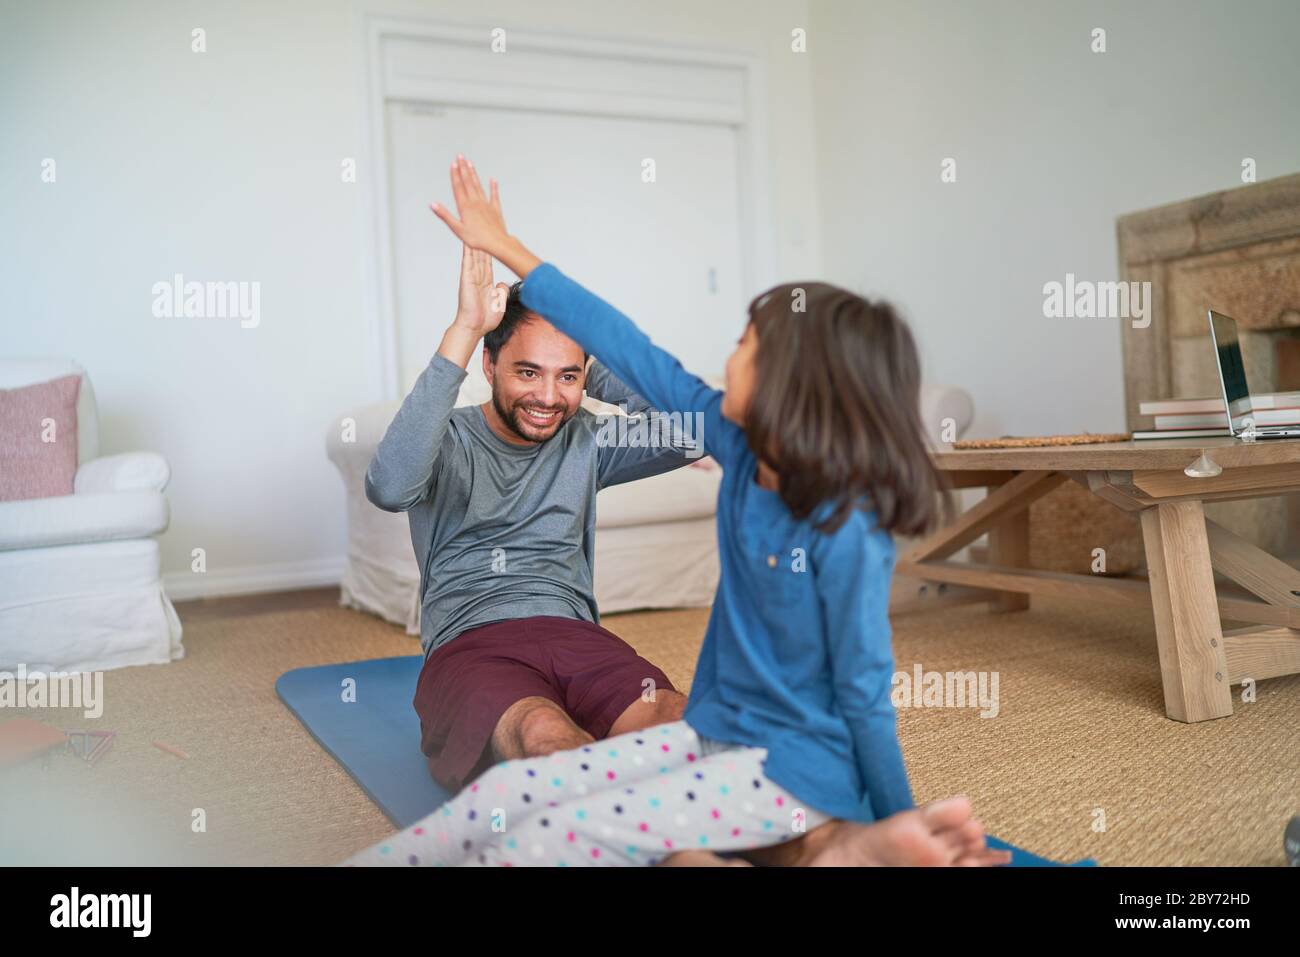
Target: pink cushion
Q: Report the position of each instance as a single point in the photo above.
(29, 466)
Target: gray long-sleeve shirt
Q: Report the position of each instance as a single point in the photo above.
(506, 531)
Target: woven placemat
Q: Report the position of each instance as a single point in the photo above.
(1014, 442)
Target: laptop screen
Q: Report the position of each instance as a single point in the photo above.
(1231, 369)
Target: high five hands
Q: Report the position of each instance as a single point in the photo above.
(482, 229)
(482, 225)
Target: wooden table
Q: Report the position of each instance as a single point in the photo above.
(1199, 661)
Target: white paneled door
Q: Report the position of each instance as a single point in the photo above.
(644, 212)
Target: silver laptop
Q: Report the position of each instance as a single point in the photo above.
(1232, 379)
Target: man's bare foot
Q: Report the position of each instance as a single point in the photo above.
(700, 859)
(940, 834)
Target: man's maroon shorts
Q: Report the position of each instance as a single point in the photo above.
(467, 684)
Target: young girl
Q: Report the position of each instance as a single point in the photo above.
(789, 740)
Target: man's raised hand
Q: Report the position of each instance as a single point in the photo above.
(481, 304)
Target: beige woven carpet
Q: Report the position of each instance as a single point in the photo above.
(1079, 760)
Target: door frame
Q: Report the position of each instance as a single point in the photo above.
(741, 105)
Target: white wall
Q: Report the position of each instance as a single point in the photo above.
(1052, 143)
(226, 166)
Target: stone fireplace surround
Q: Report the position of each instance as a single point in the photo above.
(1237, 252)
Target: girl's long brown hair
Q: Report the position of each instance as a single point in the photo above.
(836, 409)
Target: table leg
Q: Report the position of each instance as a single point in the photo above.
(1009, 548)
(1193, 666)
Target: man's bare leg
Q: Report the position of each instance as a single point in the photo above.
(534, 726)
(701, 859)
(942, 833)
(666, 706)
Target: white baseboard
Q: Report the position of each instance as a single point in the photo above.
(251, 579)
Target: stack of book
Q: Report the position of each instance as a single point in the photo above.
(1205, 418)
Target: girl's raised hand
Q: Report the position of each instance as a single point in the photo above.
(481, 223)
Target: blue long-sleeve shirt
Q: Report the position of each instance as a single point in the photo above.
(797, 656)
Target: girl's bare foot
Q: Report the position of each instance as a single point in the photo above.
(701, 859)
(940, 834)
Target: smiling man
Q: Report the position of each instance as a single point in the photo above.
(501, 499)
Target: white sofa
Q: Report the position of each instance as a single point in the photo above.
(80, 581)
(656, 541)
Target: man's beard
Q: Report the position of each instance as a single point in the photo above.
(520, 426)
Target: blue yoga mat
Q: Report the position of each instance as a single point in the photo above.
(376, 737)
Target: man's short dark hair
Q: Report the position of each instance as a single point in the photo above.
(516, 313)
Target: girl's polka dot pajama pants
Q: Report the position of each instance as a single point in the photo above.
(625, 801)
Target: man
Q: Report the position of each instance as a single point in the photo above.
(502, 503)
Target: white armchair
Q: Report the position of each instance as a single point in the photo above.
(80, 579)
